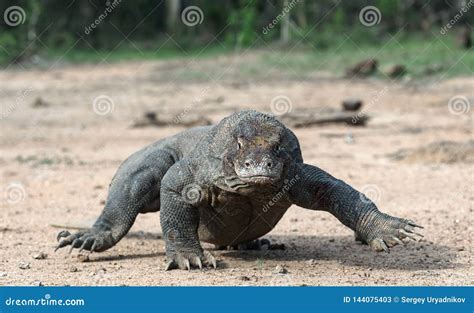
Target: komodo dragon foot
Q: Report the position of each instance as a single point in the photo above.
(387, 231)
(189, 260)
(93, 240)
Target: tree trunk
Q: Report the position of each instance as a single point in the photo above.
(285, 25)
(172, 16)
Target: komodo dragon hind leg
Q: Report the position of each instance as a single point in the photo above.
(135, 189)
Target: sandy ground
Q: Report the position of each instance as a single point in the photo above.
(58, 158)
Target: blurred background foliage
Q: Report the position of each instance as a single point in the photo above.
(151, 28)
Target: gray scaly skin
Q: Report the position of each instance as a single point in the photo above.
(228, 184)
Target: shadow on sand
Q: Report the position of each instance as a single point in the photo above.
(423, 255)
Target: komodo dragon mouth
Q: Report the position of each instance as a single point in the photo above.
(259, 179)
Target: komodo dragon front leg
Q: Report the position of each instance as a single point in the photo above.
(317, 190)
(181, 197)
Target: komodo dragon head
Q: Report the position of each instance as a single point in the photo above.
(257, 149)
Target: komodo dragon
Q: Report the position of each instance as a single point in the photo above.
(228, 184)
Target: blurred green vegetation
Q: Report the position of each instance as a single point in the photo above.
(310, 35)
(130, 52)
(421, 56)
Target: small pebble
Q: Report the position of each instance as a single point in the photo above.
(83, 257)
(24, 265)
(100, 271)
(73, 269)
(3, 274)
(351, 104)
(244, 278)
(37, 283)
(40, 256)
(40, 103)
(281, 269)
